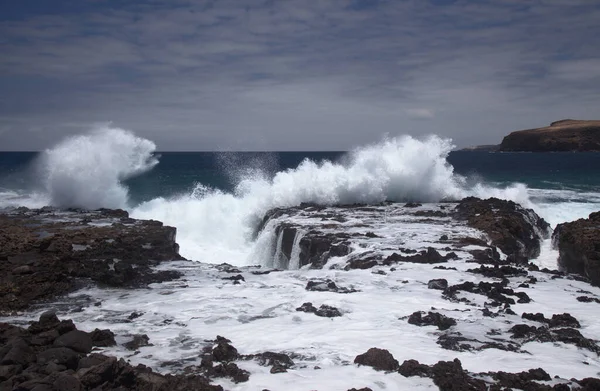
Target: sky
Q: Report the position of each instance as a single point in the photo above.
(294, 74)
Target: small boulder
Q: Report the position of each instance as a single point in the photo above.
(379, 359)
(439, 284)
(60, 356)
(224, 351)
(79, 341)
(414, 368)
(103, 338)
(138, 341)
(18, 352)
(431, 319)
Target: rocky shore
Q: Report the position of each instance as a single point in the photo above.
(48, 252)
(390, 296)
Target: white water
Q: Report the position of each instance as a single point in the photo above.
(217, 227)
(213, 226)
(86, 170)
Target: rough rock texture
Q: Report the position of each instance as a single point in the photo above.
(380, 359)
(578, 244)
(450, 376)
(431, 319)
(64, 363)
(560, 136)
(47, 252)
(56, 365)
(513, 229)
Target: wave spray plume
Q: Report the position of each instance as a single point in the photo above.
(86, 170)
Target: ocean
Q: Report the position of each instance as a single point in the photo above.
(216, 199)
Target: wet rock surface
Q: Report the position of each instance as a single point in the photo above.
(338, 231)
(578, 244)
(48, 252)
(450, 376)
(65, 363)
(324, 310)
(512, 228)
(431, 319)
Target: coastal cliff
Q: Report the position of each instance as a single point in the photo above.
(561, 136)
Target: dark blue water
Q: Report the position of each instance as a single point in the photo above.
(178, 172)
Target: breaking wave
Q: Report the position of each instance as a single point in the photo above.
(215, 226)
(87, 170)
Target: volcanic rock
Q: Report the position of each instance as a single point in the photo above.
(431, 319)
(48, 252)
(511, 228)
(578, 244)
(379, 359)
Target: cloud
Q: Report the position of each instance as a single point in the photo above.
(297, 75)
(420, 113)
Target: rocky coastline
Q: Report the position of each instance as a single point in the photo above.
(561, 136)
(476, 253)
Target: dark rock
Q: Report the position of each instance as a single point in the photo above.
(524, 380)
(496, 292)
(60, 356)
(431, 319)
(65, 382)
(138, 341)
(307, 307)
(327, 286)
(430, 255)
(230, 370)
(512, 228)
(499, 271)
(327, 311)
(587, 299)
(18, 352)
(134, 315)
(563, 320)
(103, 338)
(449, 375)
(578, 248)
(236, 279)
(8, 371)
(362, 263)
(323, 311)
(42, 266)
(45, 338)
(224, 351)
(379, 359)
(412, 205)
(539, 317)
(439, 284)
(414, 368)
(271, 359)
(278, 369)
(76, 340)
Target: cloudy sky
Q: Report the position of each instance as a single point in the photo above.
(294, 74)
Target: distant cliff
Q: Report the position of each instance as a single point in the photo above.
(561, 136)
